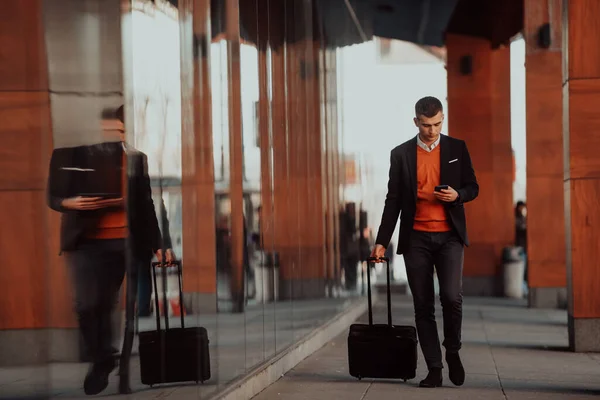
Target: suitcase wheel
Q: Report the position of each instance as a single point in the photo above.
(404, 379)
(360, 378)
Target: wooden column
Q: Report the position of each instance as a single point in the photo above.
(325, 155)
(479, 113)
(285, 191)
(581, 67)
(296, 150)
(316, 197)
(298, 214)
(308, 174)
(26, 143)
(331, 159)
(198, 192)
(334, 151)
(283, 226)
(331, 209)
(236, 159)
(35, 298)
(338, 151)
(266, 146)
(545, 218)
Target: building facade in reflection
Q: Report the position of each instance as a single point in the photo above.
(235, 106)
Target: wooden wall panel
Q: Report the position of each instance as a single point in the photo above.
(583, 32)
(325, 147)
(281, 236)
(545, 206)
(304, 155)
(236, 158)
(317, 204)
(299, 209)
(546, 232)
(22, 47)
(198, 193)
(25, 135)
(479, 113)
(336, 151)
(25, 283)
(282, 215)
(266, 147)
(582, 185)
(58, 285)
(584, 249)
(296, 144)
(584, 123)
(581, 94)
(36, 289)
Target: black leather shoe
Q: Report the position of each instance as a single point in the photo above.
(456, 371)
(97, 378)
(433, 379)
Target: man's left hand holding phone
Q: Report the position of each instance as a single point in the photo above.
(89, 203)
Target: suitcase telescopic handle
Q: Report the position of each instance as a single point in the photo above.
(389, 295)
(156, 304)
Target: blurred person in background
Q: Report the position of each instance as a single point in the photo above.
(521, 225)
(521, 231)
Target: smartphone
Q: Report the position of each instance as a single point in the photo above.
(102, 195)
(439, 188)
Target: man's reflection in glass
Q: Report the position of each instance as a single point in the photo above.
(145, 273)
(101, 205)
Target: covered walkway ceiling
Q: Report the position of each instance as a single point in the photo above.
(346, 22)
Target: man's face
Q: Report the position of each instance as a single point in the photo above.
(113, 130)
(429, 128)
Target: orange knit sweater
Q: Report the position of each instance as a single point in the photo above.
(430, 215)
(113, 223)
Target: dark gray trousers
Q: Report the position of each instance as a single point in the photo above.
(97, 269)
(445, 251)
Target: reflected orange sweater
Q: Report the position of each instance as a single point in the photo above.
(112, 224)
(430, 215)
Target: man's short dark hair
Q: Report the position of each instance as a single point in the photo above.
(114, 113)
(428, 107)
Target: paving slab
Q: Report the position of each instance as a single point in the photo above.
(509, 352)
(238, 342)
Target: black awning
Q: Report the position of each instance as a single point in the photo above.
(345, 22)
(497, 21)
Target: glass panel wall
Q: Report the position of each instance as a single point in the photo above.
(200, 133)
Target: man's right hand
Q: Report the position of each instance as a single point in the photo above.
(378, 252)
(82, 203)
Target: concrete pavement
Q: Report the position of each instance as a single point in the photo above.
(509, 352)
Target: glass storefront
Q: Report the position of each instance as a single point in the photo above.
(231, 123)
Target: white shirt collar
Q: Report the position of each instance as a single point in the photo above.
(428, 148)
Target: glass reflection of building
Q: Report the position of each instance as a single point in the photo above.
(239, 126)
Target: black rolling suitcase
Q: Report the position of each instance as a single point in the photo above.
(382, 351)
(174, 354)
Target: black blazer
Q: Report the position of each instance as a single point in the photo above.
(402, 189)
(145, 235)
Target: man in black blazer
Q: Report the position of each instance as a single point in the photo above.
(431, 177)
(108, 220)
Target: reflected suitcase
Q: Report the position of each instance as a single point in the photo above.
(379, 350)
(174, 354)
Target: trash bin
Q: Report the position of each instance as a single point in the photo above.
(267, 278)
(513, 262)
